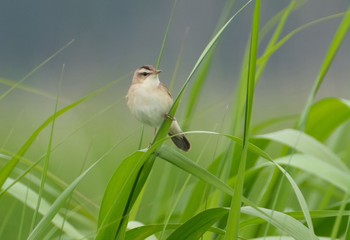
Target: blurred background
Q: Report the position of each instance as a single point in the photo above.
(112, 39)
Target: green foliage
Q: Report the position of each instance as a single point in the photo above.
(286, 183)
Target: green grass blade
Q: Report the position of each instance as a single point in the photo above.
(232, 228)
(300, 197)
(198, 225)
(276, 35)
(48, 155)
(166, 35)
(338, 220)
(332, 52)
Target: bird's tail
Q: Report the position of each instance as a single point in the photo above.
(179, 139)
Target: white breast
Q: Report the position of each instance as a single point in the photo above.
(148, 104)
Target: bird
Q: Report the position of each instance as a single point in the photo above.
(150, 102)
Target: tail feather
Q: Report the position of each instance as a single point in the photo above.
(181, 142)
(179, 139)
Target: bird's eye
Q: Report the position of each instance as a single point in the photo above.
(145, 74)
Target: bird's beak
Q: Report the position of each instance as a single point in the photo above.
(158, 71)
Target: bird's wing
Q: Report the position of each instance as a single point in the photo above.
(163, 87)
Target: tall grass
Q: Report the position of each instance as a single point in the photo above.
(291, 183)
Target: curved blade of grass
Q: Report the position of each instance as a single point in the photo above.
(326, 116)
(332, 52)
(324, 170)
(6, 170)
(306, 144)
(299, 216)
(232, 228)
(2, 96)
(198, 225)
(281, 221)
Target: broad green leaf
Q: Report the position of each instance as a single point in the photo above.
(326, 116)
(117, 194)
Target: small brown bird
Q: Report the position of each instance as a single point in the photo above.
(150, 101)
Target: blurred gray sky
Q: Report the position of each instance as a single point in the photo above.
(112, 38)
